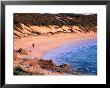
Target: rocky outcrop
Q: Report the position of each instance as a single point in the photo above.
(22, 51)
(38, 66)
(46, 64)
(49, 65)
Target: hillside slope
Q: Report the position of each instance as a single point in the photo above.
(39, 24)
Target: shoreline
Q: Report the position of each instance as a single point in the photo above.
(72, 54)
(29, 61)
(67, 46)
(44, 44)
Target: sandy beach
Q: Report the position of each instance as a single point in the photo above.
(43, 44)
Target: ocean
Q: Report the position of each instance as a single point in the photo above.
(81, 56)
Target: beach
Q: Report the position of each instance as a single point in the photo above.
(43, 44)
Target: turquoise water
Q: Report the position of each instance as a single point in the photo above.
(81, 56)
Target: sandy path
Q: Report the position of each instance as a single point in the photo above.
(43, 44)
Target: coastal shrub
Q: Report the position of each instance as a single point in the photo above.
(20, 71)
(68, 19)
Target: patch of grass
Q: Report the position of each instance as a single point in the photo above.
(20, 71)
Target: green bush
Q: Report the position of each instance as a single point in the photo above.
(20, 71)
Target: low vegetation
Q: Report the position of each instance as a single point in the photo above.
(67, 19)
(20, 71)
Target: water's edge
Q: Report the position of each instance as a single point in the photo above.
(81, 56)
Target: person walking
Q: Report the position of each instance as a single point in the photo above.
(33, 45)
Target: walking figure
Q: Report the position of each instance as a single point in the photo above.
(33, 44)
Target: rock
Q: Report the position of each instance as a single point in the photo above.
(49, 65)
(21, 51)
(46, 64)
(65, 66)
